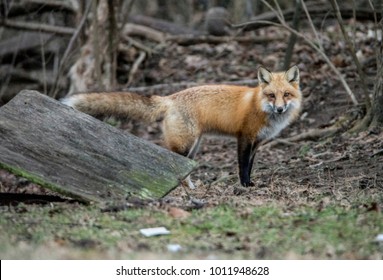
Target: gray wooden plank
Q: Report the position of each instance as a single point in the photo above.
(73, 153)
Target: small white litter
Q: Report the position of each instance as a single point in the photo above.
(174, 248)
(148, 232)
(379, 238)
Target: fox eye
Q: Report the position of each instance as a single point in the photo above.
(287, 94)
(271, 95)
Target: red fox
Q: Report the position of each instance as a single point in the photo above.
(249, 114)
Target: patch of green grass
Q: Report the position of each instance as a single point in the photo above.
(78, 231)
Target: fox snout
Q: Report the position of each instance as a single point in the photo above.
(275, 108)
(280, 110)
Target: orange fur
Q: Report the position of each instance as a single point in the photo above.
(249, 114)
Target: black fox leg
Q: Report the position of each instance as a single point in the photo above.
(244, 158)
(251, 161)
(254, 148)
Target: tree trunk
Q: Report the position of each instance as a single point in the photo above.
(377, 102)
(95, 68)
(377, 105)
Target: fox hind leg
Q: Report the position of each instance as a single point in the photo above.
(194, 149)
(182, 138)
(192, 152)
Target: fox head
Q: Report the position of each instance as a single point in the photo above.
(279, 91)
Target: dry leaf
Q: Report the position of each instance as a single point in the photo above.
(178, 213)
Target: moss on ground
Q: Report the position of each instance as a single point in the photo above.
(64, 230)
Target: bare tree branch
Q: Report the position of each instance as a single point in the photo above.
(69, 48)
(312, 45)
(350, 45)
(135, 67)
(67, 31)
(315, 11)
(186, 40)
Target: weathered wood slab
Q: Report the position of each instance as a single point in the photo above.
(72, 153)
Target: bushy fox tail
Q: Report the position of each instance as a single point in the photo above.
(119, 104)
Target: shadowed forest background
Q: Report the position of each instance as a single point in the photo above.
(319, 184)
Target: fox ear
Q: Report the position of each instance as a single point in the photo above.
(264, 75)
(292, 75)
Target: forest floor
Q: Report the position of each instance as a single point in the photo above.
(313, 199)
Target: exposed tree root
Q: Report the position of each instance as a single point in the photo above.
(314, 134)
(361, 125)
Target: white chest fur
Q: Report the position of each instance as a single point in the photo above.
(275, 125)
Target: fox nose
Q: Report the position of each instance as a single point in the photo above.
(279, 110)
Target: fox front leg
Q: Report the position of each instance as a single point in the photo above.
(245, 161)
(254, 148)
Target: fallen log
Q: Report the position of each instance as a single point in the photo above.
(162, 25)
(23, 8)
(187, 40)
(24, 42)
(77, 155)
(321, 12)
(38, 27)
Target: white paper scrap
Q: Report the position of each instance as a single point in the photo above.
(379, 237)
(174, 248)
(148, 232)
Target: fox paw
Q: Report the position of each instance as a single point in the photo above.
(248, 184)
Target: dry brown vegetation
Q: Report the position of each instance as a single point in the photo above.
(300, 169)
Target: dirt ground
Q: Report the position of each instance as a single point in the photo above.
(290, 172)
(339, 169)
(343, 169)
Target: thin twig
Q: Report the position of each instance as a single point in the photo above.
(280, 11)
(126, 9)
(312, 134)
(136, 44)
(312, 24)
(353, 53)
(62, 30)
(279, 16)
(69, 48)
(293, 37)
(224, 178)
(43, 65)
(135, 67)
(379, 152)
(187, 40)
(131, 29)
(377, 53)
(112, 44)
(315, 47)
(96, 45)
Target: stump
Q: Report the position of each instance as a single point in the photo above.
(75, 154)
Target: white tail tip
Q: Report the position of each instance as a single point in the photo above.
(69, 101)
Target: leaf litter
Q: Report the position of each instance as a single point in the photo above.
(343, 170)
